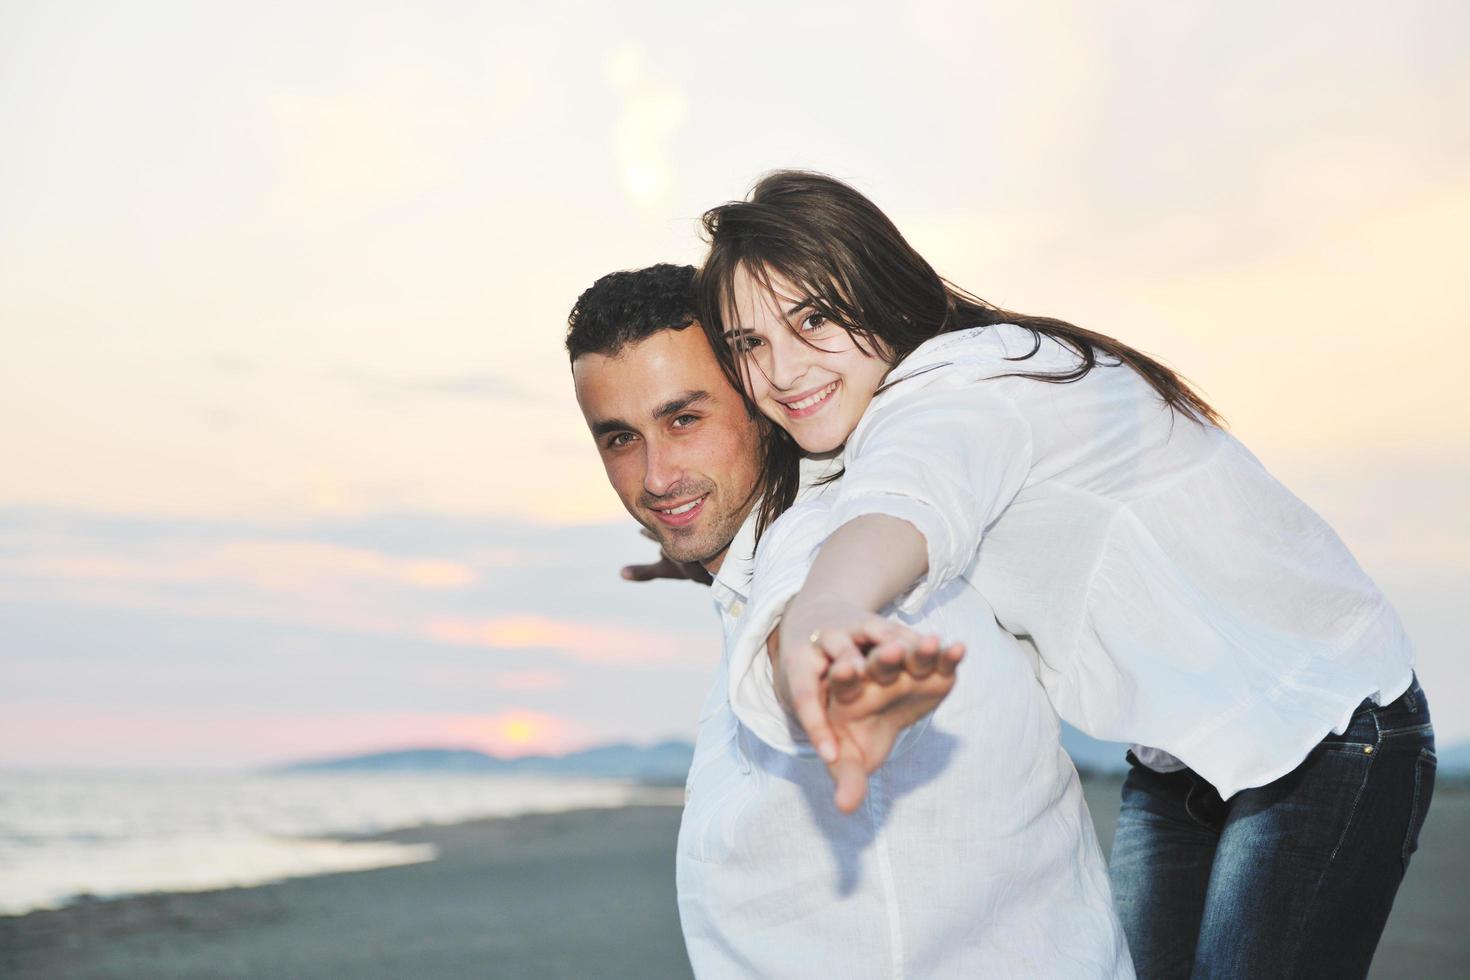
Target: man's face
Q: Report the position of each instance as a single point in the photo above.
(675, 439)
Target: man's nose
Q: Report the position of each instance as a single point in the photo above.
(662, 470)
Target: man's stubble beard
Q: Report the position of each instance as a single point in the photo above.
(706, 545)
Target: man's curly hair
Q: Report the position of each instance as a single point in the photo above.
(624, 308)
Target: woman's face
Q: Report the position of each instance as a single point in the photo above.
(816, 385)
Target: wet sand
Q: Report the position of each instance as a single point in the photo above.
(588, 893)
(582, 894)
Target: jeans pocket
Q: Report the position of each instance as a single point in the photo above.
(1407, 714)
(1425, 769)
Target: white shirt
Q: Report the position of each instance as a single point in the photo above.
(972, 855)
(1179, 596)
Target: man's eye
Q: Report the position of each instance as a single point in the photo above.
(620, 440)
(685, 421)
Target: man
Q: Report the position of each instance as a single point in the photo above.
(973, 852)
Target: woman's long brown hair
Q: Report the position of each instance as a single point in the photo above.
(834, 245)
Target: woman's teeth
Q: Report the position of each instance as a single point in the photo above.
(811, 400)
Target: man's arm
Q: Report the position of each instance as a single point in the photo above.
(666, 568)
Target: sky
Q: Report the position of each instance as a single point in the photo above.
(291, 463)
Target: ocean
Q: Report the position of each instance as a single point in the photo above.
(71, 836)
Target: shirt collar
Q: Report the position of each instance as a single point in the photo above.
(732, 582)
(731, 587)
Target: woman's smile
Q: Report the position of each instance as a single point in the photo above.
(810, 403)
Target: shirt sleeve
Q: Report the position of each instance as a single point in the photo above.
(782, 560)
(947, 458)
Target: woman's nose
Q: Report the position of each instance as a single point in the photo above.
(788, 363)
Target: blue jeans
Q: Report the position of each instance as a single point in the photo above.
(1291, 879)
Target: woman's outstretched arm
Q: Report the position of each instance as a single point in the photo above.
(861, 568)
(926, 472)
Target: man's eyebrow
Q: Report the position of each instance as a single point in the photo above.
(605, 426)
(671, 407)
(675, 405)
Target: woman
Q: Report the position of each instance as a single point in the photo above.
(1178, 597)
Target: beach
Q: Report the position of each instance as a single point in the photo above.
(584, 893)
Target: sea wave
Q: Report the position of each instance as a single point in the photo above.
(70, 836)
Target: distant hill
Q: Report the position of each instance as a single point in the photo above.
(664, 764)
(667, 763)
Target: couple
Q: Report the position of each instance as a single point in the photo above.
(833, 432)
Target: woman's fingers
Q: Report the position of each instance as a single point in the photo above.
(885, 661)
(834, 660)
(887, 644)
(851, 782)
(897, 650)
(950, 658)
(923, 657)
(840, 649)
(845, 678)
(811, 712)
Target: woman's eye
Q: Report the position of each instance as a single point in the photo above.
(745, 343)
(813, 323)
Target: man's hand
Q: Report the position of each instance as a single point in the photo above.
(666, 568)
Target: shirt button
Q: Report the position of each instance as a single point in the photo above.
(737, 608)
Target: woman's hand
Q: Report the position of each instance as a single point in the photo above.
(861, 567)
(829, 649)
(868, 717)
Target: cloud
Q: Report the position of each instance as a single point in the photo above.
(279, 565)
(57, 734)
(466, 671)
(490, 387)
(654, 110)
(593, 643)
(540, 596)
(530, 680)
(367, 143)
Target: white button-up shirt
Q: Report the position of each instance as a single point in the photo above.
(972, 855)
(1178, 596)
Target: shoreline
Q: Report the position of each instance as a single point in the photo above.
(574, 893)
(586, 892)
(120, 836)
